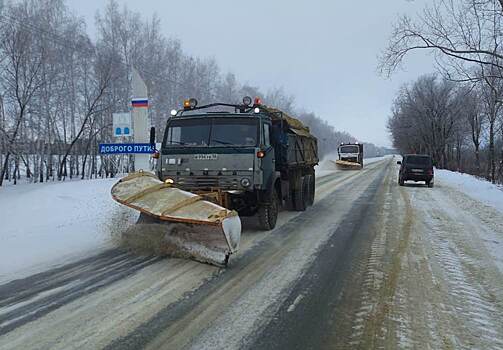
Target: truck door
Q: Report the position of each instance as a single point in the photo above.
(268, 161)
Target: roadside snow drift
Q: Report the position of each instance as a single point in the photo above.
(478, 189)
(46, 224)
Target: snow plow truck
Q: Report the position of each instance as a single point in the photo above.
(218, 162)
(350, 156)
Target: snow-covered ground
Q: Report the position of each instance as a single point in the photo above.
(373, 159)
(42, 225)
(478, 189)
(46, 224)
(433, 278)
(482, 198)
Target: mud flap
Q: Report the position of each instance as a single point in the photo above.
(191, 226)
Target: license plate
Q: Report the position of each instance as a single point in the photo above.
(417, 170)
(205, 156)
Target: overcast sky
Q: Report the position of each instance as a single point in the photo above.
(322, 51)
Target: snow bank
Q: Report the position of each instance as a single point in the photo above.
(478, 189)
(47, 224)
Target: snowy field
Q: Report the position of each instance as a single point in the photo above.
(47, 224)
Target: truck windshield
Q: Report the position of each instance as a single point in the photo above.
(190, 132)
(349, 149)
(212, 132)
(234, 132)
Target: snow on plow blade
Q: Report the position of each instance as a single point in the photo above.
(345, 165)
(210, 232)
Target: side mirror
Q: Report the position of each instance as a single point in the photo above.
(399, 162)
(152, 135)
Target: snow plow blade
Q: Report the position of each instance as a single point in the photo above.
(203, 230)
(345, 165)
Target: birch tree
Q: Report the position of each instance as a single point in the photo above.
(20, 78)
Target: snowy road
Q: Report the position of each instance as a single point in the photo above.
(370, 265)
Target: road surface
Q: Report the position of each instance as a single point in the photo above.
(370, 265)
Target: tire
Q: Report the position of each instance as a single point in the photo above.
(268, 213)
(312, 193)
(401, 182)
(300, 195)
(429, 184)
(311, 188)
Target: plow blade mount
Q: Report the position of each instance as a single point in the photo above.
(345, 165)
(196, 228)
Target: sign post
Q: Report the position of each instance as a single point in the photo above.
(141, 127)
(134, 124)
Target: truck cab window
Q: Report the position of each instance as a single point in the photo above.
(234, 132)
(188, 133)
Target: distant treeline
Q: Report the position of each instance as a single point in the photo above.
(59, 88)
(456, 124)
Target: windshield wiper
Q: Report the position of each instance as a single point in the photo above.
(231, 145)
(177, 142)
(222, 142)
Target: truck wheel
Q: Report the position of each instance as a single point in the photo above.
(311, 186)
(300, 195)
(268, 213)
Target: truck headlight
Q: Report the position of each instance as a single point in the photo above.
(245, 182)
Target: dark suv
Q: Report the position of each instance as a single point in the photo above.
(416, 167)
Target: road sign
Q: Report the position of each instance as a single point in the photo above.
(126, 148)
(122, 124)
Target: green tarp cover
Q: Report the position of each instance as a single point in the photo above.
(292, 122)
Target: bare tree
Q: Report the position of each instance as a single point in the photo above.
(458, 32)
(473, 114)
(465, 37)
(93, 92)
(20, 69)
(492, 93)
(426, 118)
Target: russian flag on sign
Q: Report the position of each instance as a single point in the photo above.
(139, 102)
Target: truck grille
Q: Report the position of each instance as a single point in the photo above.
(207, 182)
